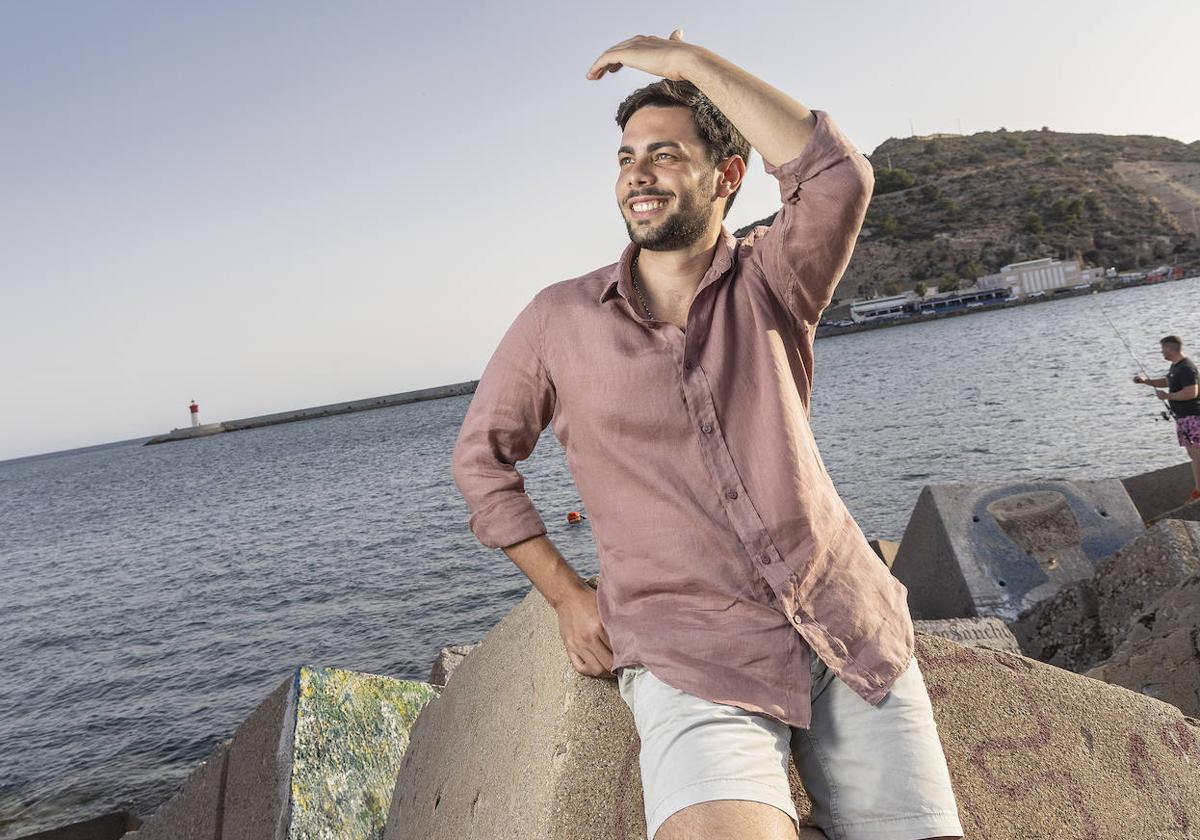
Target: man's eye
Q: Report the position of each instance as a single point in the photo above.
(661, 155)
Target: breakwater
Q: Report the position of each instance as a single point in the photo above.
(333, 409)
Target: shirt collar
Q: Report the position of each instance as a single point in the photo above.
(621, 283)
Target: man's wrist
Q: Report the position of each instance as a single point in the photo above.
(702, 65)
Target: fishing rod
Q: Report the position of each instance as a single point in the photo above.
(1166, 413)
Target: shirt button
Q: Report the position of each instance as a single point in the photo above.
(688, 364)
(730, 494)
(765, 559)
(707, 429)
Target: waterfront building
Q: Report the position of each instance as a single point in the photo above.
(910, 303)
(1040, 276)
(878, 309)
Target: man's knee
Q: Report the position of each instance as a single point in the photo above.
(730, 819)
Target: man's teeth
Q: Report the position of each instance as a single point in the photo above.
(643, 206)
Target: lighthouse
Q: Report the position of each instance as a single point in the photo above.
(195, 410)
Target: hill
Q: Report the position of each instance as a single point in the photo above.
(963, 206)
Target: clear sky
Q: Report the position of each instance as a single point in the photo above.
(265, 206)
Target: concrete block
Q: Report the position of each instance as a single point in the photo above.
(257, 769)
(1160, 655)
(1080, 625)
(107, 827)
(995, 550)
(1064, 630)
(973, 632)
(317, 759)
(1189, 512)
(449, 659)
(520, 747)
(886, 549)
(1140, 574)
(1154, 493)
(195, 813)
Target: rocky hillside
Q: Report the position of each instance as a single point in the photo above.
(957, 207)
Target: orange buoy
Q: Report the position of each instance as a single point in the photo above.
(574, 517)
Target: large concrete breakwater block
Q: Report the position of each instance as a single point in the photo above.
(995, 550)
(317, 759)
(1159, 491)
(518, 746)
(1081, 624)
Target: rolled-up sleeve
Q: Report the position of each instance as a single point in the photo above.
(825, 192)
(513, 402)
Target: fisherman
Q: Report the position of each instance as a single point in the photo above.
(740, 604)
(1183, 396)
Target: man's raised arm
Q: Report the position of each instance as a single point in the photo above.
(776, 125)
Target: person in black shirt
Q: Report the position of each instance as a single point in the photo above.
(1183, 395)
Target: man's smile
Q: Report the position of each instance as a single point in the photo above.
(646, 207)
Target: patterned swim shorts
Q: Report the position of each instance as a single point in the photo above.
(1188, 429)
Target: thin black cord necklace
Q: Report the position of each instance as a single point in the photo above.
(637, 288)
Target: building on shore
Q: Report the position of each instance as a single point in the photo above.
(910, 303)
(1033, 277)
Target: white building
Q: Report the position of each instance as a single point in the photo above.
(1034, 276)
(896, 306)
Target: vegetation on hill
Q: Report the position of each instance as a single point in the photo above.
(949, 209)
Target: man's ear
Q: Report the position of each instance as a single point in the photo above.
(731, 172)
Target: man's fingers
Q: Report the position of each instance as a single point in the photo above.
(677, 35)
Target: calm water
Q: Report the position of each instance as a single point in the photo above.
(151, 596)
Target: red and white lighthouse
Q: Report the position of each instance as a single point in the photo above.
(195, 410)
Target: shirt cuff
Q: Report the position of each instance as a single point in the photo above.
(507, 522)
(825, 148)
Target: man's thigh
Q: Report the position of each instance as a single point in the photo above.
(697, 753)
(875, 772)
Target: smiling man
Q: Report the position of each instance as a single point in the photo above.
(739, 603)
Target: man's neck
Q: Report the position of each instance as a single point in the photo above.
(675, 274)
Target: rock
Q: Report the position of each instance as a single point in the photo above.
(1155, 493)
(1134, 578)
(1064, 630)
(996, 550)
(318, 758)
(886, 549)
(449, 659)
(519, 746)
(1160, 656)
(973, 632)
(1084, 621)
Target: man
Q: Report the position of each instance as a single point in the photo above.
(1183, 395)
(739, 602)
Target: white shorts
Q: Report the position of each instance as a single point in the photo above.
(872, 772)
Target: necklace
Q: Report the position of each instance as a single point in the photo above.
(637, 288)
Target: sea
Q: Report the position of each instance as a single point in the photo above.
(151, 597)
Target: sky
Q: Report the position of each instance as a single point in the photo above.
(264, 206)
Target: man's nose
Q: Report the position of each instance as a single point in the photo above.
(639, 172)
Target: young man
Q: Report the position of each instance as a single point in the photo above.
(739, 602)
(1183, 395)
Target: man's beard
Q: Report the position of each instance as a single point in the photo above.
(685, 226)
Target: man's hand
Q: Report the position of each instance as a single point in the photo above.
(1139, 379)
(665, 57)
(1162, 395)
(583, 635)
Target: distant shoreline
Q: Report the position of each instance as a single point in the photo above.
(826, 330)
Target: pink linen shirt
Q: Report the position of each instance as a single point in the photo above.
(725, 550)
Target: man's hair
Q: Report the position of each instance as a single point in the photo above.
(721, 139)
(1174, 341)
